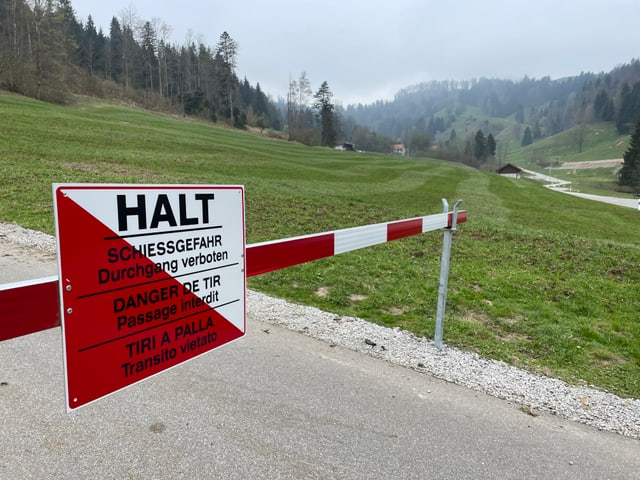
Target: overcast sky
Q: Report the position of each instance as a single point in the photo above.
(369, 49)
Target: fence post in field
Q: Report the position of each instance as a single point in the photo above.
(444, 272)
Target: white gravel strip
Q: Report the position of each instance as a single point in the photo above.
(535, 393)
(28, 238)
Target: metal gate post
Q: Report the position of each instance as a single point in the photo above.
(444, 271)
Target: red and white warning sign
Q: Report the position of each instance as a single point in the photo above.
(150, 276)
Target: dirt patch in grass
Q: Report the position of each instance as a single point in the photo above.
(322, 292)
(355, 297)
(477, 317)
(512, 337)
(612, 163)
(396, 311)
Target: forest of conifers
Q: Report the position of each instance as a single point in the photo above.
(47, 53)
(547, 106)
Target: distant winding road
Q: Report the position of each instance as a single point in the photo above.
(562, 185)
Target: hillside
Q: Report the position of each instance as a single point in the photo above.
(554, 289)
(516, 113)
(133, 61)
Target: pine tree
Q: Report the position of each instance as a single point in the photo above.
(480, 147)
(326, 114)
(629, 174)
(603, 107)
(527, 138)
(629, 107)
(116, 53)
(491, 146)
(227, 50)
(149, 47)
(88, 46)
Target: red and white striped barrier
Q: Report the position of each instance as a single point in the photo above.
(275, 255)
(31, 306)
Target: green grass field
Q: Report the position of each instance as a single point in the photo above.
(539, 279)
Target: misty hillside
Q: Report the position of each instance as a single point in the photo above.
(449, 111)
(47, 53)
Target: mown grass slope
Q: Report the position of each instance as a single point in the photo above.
(538, 279)
(589, 142)
(594, 141)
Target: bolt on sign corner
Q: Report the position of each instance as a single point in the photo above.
(150, 276)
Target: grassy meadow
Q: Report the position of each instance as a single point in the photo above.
(541, 280)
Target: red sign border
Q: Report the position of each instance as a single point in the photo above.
(141, 187)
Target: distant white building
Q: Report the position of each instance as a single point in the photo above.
(399, 150)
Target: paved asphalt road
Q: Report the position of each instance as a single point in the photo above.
(621, 202)
(279, 405)
(563, 186)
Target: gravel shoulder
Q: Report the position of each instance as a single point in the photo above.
(25, 254)
(32, 253)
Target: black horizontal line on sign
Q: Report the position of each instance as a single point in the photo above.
(173, 277)
(152, 234)
(154, 327)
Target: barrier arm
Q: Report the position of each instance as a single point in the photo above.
(32, 306)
